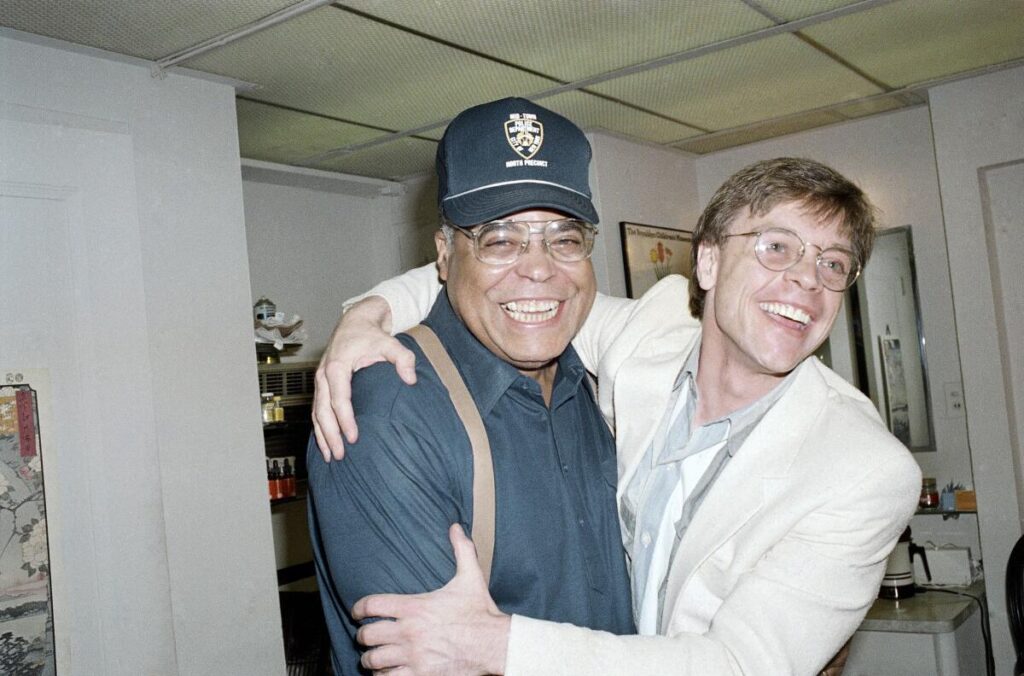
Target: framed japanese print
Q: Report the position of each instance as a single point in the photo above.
(27, 643)
(649, 253)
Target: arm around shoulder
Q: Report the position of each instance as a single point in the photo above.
(409, 296)
(615, 322)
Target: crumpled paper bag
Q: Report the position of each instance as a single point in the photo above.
(280, 331)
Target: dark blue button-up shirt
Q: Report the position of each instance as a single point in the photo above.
(379, 519)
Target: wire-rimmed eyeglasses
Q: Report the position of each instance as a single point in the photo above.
(568, 240)
(780, 249)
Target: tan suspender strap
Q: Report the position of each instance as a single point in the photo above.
(483, 469)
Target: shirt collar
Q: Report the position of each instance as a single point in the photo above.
(739, 423)
(689, 369)
(487, 376)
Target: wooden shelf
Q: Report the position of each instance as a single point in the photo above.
(944, 513)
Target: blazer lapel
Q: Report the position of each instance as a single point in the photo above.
(643, 388)
(740, 490)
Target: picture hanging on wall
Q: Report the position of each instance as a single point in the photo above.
(894, 386)
(650, 253)
(26, 600)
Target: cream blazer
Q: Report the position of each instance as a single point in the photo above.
(786, 553)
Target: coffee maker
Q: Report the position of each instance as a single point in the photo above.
(898, 582)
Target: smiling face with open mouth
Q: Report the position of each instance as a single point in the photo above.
(767, 321)
(524, 312)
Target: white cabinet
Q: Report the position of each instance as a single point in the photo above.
(932, 633)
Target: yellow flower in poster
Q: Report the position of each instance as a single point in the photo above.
(661, 257)
(8, 416)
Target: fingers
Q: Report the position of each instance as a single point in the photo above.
(320, 442)
(333, 415)
(378, 605)
(385, 657)
(373, 634)
(325, 422)
(404, 361)
(339, 383)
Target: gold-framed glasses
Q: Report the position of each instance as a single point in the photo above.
(568, 240)
(780, 249)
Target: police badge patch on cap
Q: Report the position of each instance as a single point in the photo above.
(525, 134)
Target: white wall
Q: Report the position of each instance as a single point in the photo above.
(315, 240)
(979, 123)
(165, 537)
(637, 183)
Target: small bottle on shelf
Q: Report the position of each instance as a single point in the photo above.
(271, 480)
(929, 494)
(278, 410)
(288, 478)
(268, 407)
(274, 481)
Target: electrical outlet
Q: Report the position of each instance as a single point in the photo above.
(954, 400)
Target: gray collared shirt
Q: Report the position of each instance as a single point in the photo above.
(676, 472)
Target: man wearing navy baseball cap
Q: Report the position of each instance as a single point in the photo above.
(517, 231)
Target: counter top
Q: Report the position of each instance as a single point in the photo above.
(928, 612)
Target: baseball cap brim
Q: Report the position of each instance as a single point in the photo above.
(487, 204)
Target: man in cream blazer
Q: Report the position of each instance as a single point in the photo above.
(785, 550)
(786, 553)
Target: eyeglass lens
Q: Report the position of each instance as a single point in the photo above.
(502, 242)
(779, 249)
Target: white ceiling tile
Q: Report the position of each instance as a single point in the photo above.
(791, 10)
(275, 135)
(148, 29)
(572, 39)
(766, 79)
(728, 139)
(338, 64)
(594, 112)
(874, 106)
(916, 40)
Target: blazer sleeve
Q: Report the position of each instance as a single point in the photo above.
(410, 296)
(624, 322)
(788, 614)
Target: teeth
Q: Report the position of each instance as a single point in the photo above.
(531, 311)
(787, 311)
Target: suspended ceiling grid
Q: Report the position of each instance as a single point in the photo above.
(365, 86)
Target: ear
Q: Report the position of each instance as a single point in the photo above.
(442, 255)
(707, 265)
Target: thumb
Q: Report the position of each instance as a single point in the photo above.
(466, 562)
(467, 567)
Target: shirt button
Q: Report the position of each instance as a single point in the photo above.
(565, 468)
(581, 522)
(645, 539)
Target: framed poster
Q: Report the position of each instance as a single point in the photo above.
(26, 601)
(649, 253)
(894, 385)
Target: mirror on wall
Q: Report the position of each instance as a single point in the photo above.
(889, 339)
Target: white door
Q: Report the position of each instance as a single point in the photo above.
(1003, 201)
(72, 303)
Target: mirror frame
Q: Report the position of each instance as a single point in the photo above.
(869, 358)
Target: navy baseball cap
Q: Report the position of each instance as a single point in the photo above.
(512, 155)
